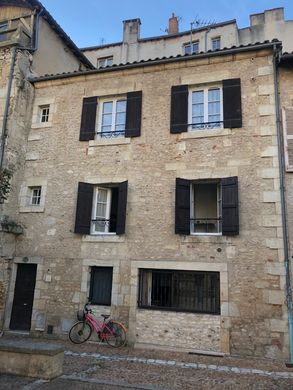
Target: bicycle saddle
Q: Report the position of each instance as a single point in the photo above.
(105, 316)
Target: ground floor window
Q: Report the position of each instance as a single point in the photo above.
(101, 286)
(190, 291)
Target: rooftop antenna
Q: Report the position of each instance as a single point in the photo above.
(197, 23)
(102, 41)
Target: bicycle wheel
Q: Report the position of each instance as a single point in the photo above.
(114, 334)
(80, 332)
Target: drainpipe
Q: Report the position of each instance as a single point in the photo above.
(10, 79)
(283, 204)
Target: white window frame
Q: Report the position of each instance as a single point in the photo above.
(216, 40)
(113, 100)
(186, 45)
(106, 59)
(33, 197)
(44, 113)
(108, 211)
(219, 207)
(205, 89)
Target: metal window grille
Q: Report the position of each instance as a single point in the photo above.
(187, 291)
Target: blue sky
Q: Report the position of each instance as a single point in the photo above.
(95, 22)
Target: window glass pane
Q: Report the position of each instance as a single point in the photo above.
(110, 61)
(187, 49)
(214, 109)
(197, 97)
(216, 43)
(107, 120)
(107, 107)
(121, 106)
(195, 47)
(120, 118)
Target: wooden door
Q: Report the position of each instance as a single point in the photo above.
(23, 297)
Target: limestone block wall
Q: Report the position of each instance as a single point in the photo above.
(253, 317)
(182, 331)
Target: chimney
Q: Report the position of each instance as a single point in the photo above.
(173, 25)
(131, 30)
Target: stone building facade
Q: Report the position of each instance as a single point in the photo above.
(151, 190)
(252, 317)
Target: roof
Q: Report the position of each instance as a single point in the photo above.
(166, 36)
(286, 59)
(34, 4)
(185, 57)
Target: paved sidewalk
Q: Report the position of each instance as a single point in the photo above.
(91, 366)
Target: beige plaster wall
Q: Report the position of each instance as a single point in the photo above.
(151, 49)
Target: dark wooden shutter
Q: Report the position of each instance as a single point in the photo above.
(288, 138)
(133, 114)
(88, 119)
(230, 208)
(114, 209)
(179, 108)
(232, 103)
(182, 207)
(84, 208)
(101, 285)
(121, 211)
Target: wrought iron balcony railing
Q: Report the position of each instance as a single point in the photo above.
(206, 125)
(111, 134)
(206, 225)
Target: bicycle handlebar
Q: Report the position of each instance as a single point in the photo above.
(86, 309)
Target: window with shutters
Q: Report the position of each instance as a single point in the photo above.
(101, 286)
(205, 108)
(185, 291)
(101, 209)
(111, 117)
(288, 137)
(207, 207)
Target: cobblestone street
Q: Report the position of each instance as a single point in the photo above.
(93, 366)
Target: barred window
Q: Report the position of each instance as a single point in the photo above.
(187, 291)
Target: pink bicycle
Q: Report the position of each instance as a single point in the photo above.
(113, 332)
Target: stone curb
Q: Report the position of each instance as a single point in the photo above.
(173, 363)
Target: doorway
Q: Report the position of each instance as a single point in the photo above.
(23, 297)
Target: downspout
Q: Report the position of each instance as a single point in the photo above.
(9, 87)
(283, 204)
